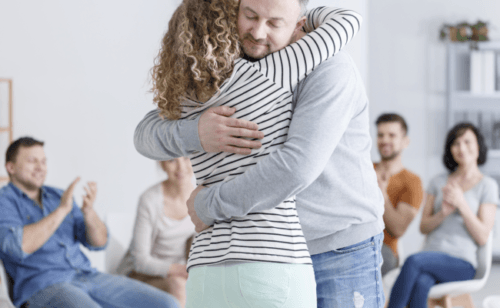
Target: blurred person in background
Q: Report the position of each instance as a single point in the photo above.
(41, 229)
(163, 232)
(401, 188)
(458, 216)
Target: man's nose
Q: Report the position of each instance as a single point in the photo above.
(462, 147)
(259, 31)
(39, 166)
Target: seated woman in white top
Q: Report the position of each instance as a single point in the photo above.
(163, 232)
(458, 217)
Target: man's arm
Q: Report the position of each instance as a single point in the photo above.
(327, 101)
(214, 131)
(90, 229)
(37, 234)
(18, 241)
(161, 139)
(397, 219)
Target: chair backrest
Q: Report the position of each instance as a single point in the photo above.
(484, 259)
(401, 254)
(120, 226)
(5, 288)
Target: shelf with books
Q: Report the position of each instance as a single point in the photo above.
(478, 96)
(494, 153)
(468, 99)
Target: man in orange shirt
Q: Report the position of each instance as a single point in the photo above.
(401, 188)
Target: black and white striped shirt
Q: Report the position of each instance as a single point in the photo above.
(261, 92)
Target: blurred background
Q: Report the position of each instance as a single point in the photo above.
(80, 73)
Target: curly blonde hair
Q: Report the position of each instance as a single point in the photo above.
(197, 54)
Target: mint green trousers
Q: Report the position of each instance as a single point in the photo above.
(251, 285)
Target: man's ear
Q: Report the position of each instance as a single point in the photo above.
(406, 141)
(10, 167)
(300, 23)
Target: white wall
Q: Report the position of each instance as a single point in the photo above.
(407, 74)
(80, 74)
(358, 47)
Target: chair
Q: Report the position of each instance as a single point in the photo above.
(5, 288)
(457, 293)
(120, 227)
(390, 278)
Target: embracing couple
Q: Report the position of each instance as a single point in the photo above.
(275, 122)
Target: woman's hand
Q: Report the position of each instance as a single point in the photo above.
(176, 269)
(198, 224)
(454, 195)
(447, 209)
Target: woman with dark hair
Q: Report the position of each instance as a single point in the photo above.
(458, 216)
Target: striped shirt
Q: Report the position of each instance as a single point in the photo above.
(261, 92)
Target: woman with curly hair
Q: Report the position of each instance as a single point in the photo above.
(458, 217)
(260, 259)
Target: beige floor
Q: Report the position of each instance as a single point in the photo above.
(492, 286)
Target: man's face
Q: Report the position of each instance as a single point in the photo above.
(178, 169)
(29, 168)
(266, 26)
(391, 140)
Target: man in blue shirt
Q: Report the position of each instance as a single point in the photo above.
(41, 229)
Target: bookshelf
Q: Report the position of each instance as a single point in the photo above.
(482, 109)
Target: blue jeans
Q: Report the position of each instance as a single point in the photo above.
(97, 290)
(350, 276)
(423, 270)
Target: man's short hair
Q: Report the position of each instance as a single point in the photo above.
(13, 149)
(392, 117)
(303, 7)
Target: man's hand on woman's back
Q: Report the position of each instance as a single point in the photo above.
(220, 133)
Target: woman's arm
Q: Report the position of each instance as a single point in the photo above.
(480, 225)
(330, 30)
(140, 247)
(431, 220)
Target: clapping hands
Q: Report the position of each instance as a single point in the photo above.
(89, 197)
(453, 198)
(67, 198)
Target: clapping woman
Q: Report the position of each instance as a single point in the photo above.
(457, 218)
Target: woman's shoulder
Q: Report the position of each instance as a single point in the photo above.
(440, 179)
(151, 195)
(489, 183)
